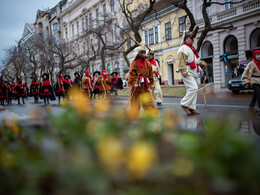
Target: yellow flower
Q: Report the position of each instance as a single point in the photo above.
(91, 126)
(7, 122)
(15, 128)
(101, 107)
(141, 157)
(81, 104)
(111, 153)
(64, 102)
(183, 167)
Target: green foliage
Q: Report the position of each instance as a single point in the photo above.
(90, 154)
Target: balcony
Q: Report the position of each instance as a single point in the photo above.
(238, 10)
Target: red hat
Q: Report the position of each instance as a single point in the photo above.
(255, 52)
(86, 73)
(104, 71)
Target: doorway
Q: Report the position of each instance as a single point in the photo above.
(170, 74)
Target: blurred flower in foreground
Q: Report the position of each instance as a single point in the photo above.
(81, 103)
(171, 119)
(111, 153)
(102, 107)
(12, 124)
(183, 167)
(142, 156)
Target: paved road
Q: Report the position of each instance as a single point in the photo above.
(216, 107)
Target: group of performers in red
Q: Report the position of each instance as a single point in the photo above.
(99, 84)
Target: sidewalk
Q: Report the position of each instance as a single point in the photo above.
(225, 93)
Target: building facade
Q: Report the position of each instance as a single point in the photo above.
(228, 50)
(85, 23)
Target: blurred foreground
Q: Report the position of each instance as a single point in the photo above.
(99, 149)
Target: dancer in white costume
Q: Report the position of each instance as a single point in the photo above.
(189, 62)
(156, 91)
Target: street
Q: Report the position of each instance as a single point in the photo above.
(216, 108)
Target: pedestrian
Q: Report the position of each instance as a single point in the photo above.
(189, 62)
(68, 83)
(87, 85)
(156, 91)
(104, 82)
(251, 76)
(141, 81)
(46, 91)
(59, 86)
(26, 90)
(96, 87)
(34, 88)
(20, 90)
(117, 84)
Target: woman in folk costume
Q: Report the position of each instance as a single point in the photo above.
(104, 82)
(45, 88)
(59, 86)
(77, 80)
(156, 91)
(96, 87)
(117, 84)
(141, 81)
(3, 91)
(189, 62)
(87, 84)
(67, 84)
(251, 76)
(34, 88)
(20, 90)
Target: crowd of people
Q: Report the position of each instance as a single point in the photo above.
(99, 85)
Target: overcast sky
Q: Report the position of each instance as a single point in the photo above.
(13, 16)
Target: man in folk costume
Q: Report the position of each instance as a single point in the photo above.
(117, 84)
(20, 90)
(87, 84)
(156, 91)
(96, 87)
(59, 86)
(104, 82)
(251, 76)
(189, 62)
(3, 90)
(141, 81)
(34, 88)
(45, 88)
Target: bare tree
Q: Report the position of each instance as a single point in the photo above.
(207, 23)
(134, 23)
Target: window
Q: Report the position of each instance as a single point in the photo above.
(83, 24)
(168, 31)
(128, 43)
(104, 9)
(182, 25)
(112, 4)
(84, 47)
(207, 9)
(77, 27)
(97, 15)
(55, 27)
(146, 36)
(156, 34)
(151, 37)
(229, 5)
(66, 33)
(73, 33)
(90, 20)
(86, 19)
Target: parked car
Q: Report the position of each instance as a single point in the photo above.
(235, 85)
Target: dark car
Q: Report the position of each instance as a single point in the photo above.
(235, 85)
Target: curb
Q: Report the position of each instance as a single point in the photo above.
(2, 108)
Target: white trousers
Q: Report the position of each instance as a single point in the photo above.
(157, 92)
(190, 99)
